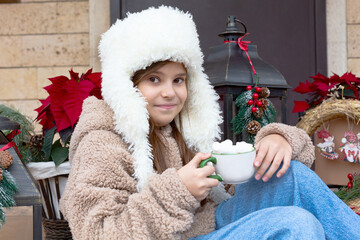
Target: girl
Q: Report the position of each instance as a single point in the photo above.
(135, 155)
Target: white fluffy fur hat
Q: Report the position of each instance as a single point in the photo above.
(134, 43)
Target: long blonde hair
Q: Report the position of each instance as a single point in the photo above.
(155, 136)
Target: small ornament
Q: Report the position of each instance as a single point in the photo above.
(5, 159)
(327, 146)
(248, 88)
(37, 141)
(250, 102)
(255, 96)
(264, 93)
(254, 109)
(350, 147)
(259, 103)
(253, 127)
(349, 185)
(259, 113)
(258, 89)
(264, 102)
(350, 177)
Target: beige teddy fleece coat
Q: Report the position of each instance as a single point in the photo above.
(101, 200)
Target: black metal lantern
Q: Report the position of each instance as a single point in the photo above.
(229, 71)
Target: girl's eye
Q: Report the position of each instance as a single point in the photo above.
(154, 79)
(179, 80)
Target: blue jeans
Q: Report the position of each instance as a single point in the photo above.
(296, 206)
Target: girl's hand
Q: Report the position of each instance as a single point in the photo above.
(272, 150)
(195, 179)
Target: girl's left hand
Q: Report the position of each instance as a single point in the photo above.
(272, 150)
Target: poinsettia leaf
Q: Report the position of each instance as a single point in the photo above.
(48, 141)
(300, 106)
(96, 92)
(77, 92)
(65, 134)
(349, 77)
(58, 82)
(74, 75)
(321, 78)
(59, 154)
(85, 76)
(96, 78)
(303, 87)
(45, 104)
(322, 88)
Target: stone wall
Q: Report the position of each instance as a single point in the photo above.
(41, 39)
(353, 36)
(45, 38)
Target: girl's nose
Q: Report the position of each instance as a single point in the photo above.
(167, 91)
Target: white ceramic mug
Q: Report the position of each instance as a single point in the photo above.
(232, 168)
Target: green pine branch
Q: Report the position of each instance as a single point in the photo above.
(347, 194)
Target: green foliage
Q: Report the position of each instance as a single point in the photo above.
(347, 194)
(26, 127)
(8, 188)
(245, 116)
(50, 150)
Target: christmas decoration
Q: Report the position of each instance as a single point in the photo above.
(345, 87)
(253, 111)
(350, 194)
(264, 93)
(327, 146)
(328, 110)
(253, 127)
(253, 107)
(61, 111)
(5, 159)
(350, 147)
(8, 188)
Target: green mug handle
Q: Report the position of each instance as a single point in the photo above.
(214, 161)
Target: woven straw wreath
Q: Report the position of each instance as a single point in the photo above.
(328, 110)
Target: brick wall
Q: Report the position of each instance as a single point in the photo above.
(40, 39)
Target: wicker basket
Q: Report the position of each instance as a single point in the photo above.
(354, 205)
(56, 229)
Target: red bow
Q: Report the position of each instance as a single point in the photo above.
(10, 137)
(244, 46)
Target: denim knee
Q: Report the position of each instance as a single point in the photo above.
(301, 223)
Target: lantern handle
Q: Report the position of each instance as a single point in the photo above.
(238, 21)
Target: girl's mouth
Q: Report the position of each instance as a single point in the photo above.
(166, 106)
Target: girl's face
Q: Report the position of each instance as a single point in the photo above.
(165, 92)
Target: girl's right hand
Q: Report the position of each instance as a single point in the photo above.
(196, 179)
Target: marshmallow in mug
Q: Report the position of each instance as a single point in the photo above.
(227, 147)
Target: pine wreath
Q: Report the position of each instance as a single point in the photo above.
(8, 188)
(253, 108)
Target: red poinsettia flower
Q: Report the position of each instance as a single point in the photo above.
(64, 104)
(323, 87)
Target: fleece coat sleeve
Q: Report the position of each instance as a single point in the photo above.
(101, 201)
(303, 150)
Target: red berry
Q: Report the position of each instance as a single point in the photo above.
(255, 96)
(258, 89)
(259, 103)
(248, 88)
(254, 109)
(250, 102)
(358, 213)
(350, 177)
(349, 185)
